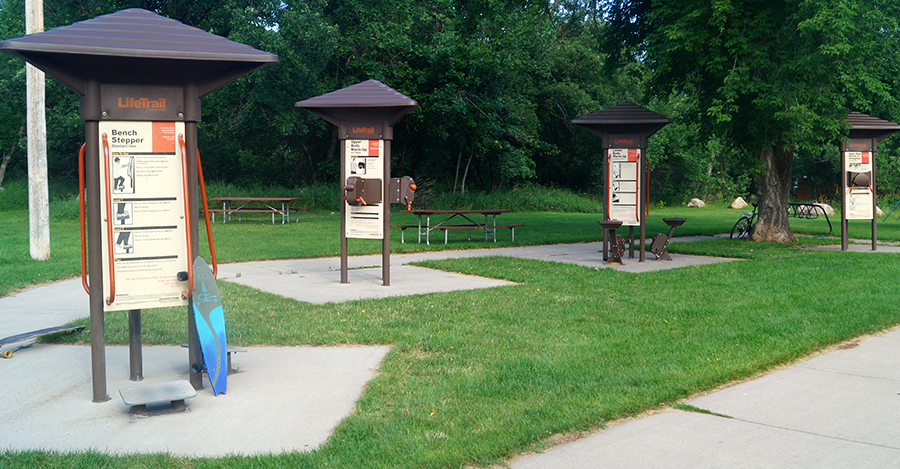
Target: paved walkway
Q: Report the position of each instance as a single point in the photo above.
(836, 410)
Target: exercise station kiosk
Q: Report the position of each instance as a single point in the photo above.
(624, 130)
(858, 171)
(365, 114)
(140, 77)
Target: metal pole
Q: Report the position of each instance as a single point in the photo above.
(386, 231)
(642, 208)
(606, 187)
(344, 279)
(191, 117)
(874, 201)
(90, 112)
(135, 354)
(631, 243)
(844, 240)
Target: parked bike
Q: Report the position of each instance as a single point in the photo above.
(741, 229)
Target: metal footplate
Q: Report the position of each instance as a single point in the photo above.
(174, 393)
(230, 350)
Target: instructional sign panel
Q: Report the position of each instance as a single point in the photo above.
(623, 193)
(145, 178)
(365, 159)
(860, 197)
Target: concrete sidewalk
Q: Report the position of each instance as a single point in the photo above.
(840, 409)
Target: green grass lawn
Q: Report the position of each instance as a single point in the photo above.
(476, 376)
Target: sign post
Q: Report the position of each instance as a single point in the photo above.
(140, 102)
(365, 114)
(857, 187)
(624, 130)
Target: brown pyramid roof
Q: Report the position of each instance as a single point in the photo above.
(136, 46)
(624, 113)
(369, 99)
(866, 126)
(370, 93)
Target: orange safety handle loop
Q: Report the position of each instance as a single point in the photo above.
(212, 247)
(361, 200)
(187, 210)
(109, 224)
(84, 281)
(413, 188)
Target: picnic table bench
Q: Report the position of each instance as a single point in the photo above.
(489, 225)
(241, 205)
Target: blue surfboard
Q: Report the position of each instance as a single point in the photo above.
(210, 319)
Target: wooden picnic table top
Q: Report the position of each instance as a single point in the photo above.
(427, 212)
(255, 199)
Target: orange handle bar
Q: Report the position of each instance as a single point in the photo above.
(647, 191)
(212, 247)
(109, 224)
(84, 281)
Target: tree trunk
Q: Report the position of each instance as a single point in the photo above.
(8, 155)
(456, 173)
(332, 144)
(466, 171)
(774, 185)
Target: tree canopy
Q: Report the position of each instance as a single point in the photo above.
(497, 82)
(771, 77)
(749, 84)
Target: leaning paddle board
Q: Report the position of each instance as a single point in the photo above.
(210, 319)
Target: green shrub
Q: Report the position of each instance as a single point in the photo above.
(14, 195)
(529, 198)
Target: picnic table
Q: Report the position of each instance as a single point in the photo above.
(240, 205)
(463, 221)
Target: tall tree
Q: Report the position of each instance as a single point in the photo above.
(12, 87)
(771, 76)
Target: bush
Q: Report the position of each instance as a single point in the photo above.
(528, 198)
(14, 195)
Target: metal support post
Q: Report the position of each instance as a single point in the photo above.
(191, 117)
(90, 108)
(386, 231)
(135, 354)
(344, 267)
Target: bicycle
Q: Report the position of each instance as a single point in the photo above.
(741, 229)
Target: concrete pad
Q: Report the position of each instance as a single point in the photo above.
(589, 255)
(283, 399)
(318, 280)
(324, 286)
